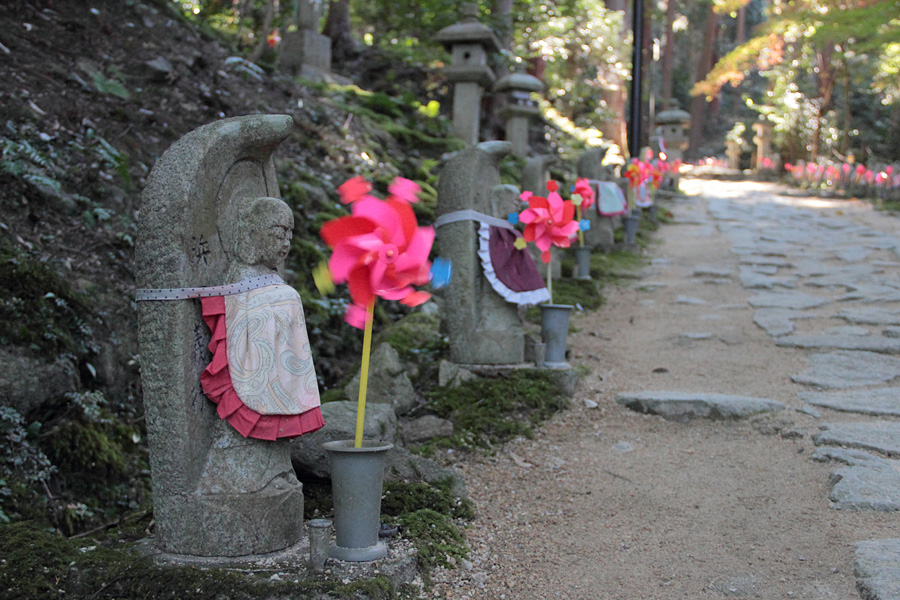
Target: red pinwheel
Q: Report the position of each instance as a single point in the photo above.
(583, 188)
(379, 250)
(548, 221)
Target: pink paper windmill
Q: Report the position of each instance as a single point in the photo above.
(583, 188)
(379, 250)
(548, 221)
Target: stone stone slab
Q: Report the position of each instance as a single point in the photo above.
(690, 300)
(871, 343)
(844, 369)
(683, 406)
(877, 569)
(711, 271)
(772, 261)
(870, 316)
(868, 482)
(795, 300)
(882, 436)
(879, 401)
(853, 253)
(779, 321)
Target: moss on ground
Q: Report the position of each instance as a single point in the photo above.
(39, 565)
(491, 411)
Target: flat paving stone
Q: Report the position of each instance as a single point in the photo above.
(891, 332)
(878, 401)
(853, 253)
(868, 482)
(711, 271)
(690, 300)
(869, 343)
(779, 321)
(795, 300)
(774, 261)
(870, 316)
(877, 569)
(849, 330)
(683, 406)
(878, 436)
(753, 280)
(845, 369)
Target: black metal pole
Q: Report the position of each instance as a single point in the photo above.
(634, 118)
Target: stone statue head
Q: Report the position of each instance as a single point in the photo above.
(263, 232)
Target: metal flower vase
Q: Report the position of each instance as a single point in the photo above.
(630, 223)
(554, 331)
(582, 262)
(357, 476)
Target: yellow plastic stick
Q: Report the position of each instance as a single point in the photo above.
(364, 374)
(550, 278)
(580, 232)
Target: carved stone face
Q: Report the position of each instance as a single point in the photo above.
(272, 233)
(266, 233)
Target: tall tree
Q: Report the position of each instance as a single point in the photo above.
(338, 28)
(699, 103)
(668, 54)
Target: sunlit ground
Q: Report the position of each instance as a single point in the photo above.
(757, 192)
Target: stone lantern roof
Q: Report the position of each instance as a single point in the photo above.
(674, 116)
(468, 31)
(519, 82)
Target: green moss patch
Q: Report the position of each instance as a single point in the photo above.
(490, 411)
(39, 565)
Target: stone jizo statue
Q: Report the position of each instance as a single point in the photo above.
(211, 227)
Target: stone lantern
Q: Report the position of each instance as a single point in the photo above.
(672, 128)
(469, 43)
(518, 88)
(763, 141)
(306, 52)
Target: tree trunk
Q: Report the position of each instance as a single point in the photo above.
(616, 96)
(668, 54)
(337, 27)
(646, 79)
(502, 13)
(698, 103)
(826, 78)
(740, 35)
(263, 33)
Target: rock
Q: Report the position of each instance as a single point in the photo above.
(841, 342)
(779, 321)
(697, 335)
(307, 454)
(451, 375)
(880, 401)
(682, 406)
(768, 261)
(689, 300)
(159, 69)
(752, 279)
(877, 569)
(590, 404)
(870, 316)
(844, 369)
(794, 300)
(848, 330)
(711, 271)
(426, 428)
(403, 465)
(28, 383)
(853, 253)
(891, 332)
(868, 482)
(883, 437)
(388, 382)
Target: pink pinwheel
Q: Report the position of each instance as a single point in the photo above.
(583, 188)
(548, 221)
(379, 250)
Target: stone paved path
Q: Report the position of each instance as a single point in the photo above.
(745, 441)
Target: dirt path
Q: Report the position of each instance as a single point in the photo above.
(606, 503)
